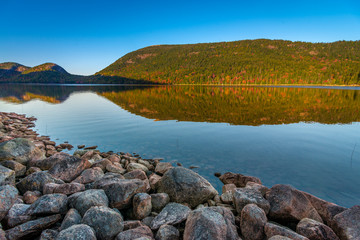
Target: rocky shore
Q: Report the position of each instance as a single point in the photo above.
(48, 194)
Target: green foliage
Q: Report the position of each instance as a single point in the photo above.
(259, 61)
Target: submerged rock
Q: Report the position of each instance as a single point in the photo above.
(185, 186)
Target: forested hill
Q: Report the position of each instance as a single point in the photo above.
(259, 61)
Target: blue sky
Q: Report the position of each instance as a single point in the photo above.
(84, 36)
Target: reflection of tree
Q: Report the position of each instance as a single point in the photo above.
(241, 106)
(234, 105)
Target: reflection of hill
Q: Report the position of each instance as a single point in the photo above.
(18, 93)
(242, 106)
(234, 105)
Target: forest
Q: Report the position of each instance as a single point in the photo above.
(260, 61)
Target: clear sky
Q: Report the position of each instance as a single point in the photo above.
(84, 36)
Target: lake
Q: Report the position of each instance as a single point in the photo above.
(306, 137)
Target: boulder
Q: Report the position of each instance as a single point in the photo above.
(252, 223)
(172, 213)
(314, 230)
(136, 174)
(209, 223)
(69, 168)
(244, 196)
(2, 233)
(256, 186)
(347, 224)
(115, 168)
(326, 210)
(227, 197)
(71, 218)
(89, 175)
(8, 197)
(278, 237)
(228, 188)
(31, 196)
(82, 201)
(19, 169)
(106, 222)
(7, 176)
(36, 182)
(185, 186)
(17, 215)
(133, 166)
(163, 167)
(48, 204)
(66, 188)
(272, 229)
(47, 163)
(288, 204)
(154, 179)
(167, 232)
(130, 224)
(141, 205)
(136, 233)
(159, 201)
(21, 150)
(31, 228)
(238, 179)
(77, 232)
(120, 191)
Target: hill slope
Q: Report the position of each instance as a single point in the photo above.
(259, 61)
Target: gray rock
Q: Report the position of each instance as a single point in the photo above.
(69, 168)
(17, 215)
(89, 175)
(36, 182)
(154, 180)
(228, 188)
(290, 205)
(7, 176)
(147, 221)
(315, 230)
(106, 222)
(244, 196)
(142, 205)
(167, 232)
(19, 169)
(2, 235)
(163, 167)
(49, 234)
(71, 218)
(273, 229)
(21, 150)
(8, 197)
(77, 232)
(347, 224)
(32, 227)
(135, 233)
(256, 186)
(252, 223)
(115, 168)
(82, 201)
(185, 186)
(120, 191)
(47, 163)
(172, 213)
(130, 224)
(208, 223)
(48, 204)
(227, 197)
(159, 201)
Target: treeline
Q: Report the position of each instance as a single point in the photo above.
(259, 61)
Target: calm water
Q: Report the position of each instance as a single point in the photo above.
(306, 137)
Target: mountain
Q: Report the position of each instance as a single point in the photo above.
(260, 61)
(52, 73)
